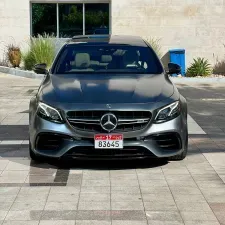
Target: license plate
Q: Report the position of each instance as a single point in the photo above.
(104, 141)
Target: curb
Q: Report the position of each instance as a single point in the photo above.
(21, 73)
(188, 80)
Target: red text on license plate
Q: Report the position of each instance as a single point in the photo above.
(112, 137)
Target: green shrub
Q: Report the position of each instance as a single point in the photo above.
(155, 44)
(28, 60)
(200, 67)
(42, 50)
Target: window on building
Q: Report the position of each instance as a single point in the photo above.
(71, 21)
(96, 18)
(44, 19)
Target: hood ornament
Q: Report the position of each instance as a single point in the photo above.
(108, 106)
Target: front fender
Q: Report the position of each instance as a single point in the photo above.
(32, 109)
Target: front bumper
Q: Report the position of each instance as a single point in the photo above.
(138, 144)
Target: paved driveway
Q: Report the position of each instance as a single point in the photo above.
(190, 192)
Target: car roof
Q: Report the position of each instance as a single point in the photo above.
(108, 39)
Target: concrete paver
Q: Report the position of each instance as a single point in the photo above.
(133, 193)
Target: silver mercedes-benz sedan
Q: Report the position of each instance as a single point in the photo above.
(107, 97)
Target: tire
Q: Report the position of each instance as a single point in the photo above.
(33, 156)
(181, 156)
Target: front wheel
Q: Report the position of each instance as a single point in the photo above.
(182, 155)
(33, 156)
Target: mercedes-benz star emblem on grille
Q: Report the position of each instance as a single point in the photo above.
(109, 122)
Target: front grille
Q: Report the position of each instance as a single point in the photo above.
(168, 141)
(91, 152)
(90, 120)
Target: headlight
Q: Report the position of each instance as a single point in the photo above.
(49, 113)
(168, 113)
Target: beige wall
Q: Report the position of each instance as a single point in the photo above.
(14, 23)
(196, 25)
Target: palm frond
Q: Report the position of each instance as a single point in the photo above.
(200, 67)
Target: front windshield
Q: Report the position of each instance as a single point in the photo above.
(80, 58)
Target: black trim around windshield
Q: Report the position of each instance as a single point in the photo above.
(54, 66)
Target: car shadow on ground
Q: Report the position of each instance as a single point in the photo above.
(101, 164)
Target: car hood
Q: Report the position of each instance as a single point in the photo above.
(89, 88)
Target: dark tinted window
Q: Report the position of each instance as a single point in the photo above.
(96, 18)
(70, 20)
(44, 19)
(79, 58)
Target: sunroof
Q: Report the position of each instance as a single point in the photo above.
(98, 36)
(92, 37)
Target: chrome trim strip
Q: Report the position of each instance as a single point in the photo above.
(91, 120)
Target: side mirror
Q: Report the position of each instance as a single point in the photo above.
(174, 68)
(41, 68)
